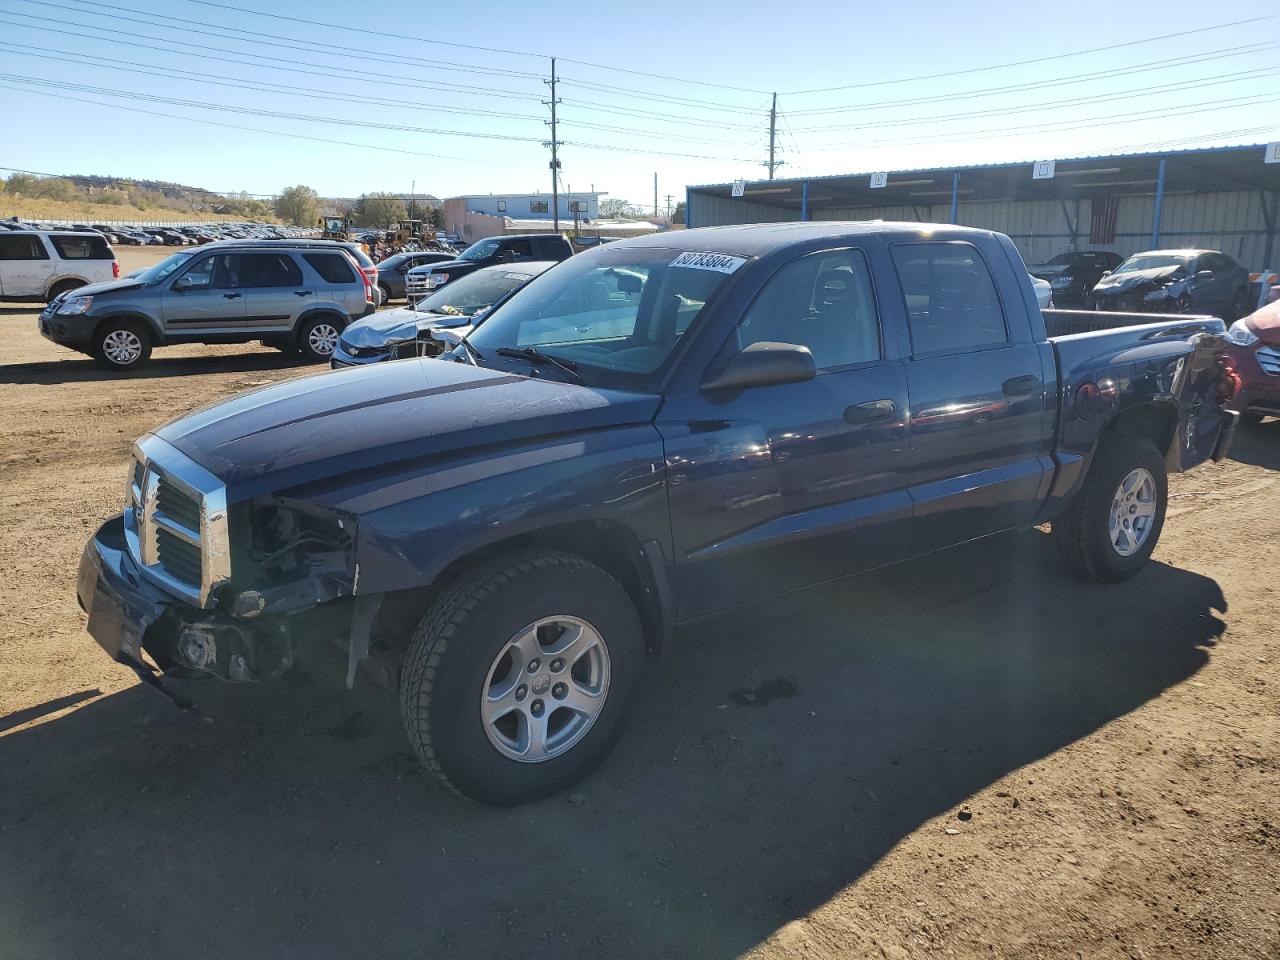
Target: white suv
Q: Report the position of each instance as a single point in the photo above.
(41, 265)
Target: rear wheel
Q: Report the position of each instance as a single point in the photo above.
(319, 337)
(63, 286)
(1112, 527)
(386, 293)
(121, 345)
(521, 677)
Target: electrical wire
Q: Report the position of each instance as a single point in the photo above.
(460, 89)
(1038, 59)
(1167, 63)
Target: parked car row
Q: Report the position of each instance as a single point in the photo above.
(139, 236)
(1155, 281)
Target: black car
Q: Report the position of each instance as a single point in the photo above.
(1176, 281)
(1073, 275)
(517, 248)
(391, 271)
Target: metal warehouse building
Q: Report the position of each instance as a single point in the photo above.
(1223, 198)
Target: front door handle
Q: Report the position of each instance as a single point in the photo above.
(870, 412)
(232, 296)
(302, 293)
(1020, 386)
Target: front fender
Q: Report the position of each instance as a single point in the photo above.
(411, 527)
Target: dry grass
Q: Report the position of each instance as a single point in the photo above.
(36, 208)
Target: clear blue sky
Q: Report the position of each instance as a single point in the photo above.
(1208, 86)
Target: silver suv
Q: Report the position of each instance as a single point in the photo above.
(293, 296)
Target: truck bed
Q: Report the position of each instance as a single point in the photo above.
(1067, 323)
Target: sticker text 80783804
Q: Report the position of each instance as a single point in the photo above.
(720, 262)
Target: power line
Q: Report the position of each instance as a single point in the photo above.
(346, 28)
(1052, 104)
(1031, 60)
(175, 73)
(1064, 125)
(1163, 64)
(305, 46)
(456, 88)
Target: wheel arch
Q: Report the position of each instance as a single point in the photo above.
(611, 545)
(1157, 420)
(63, 278)
(157, 335)
(318, 311)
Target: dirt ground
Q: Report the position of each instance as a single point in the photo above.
(967, 756)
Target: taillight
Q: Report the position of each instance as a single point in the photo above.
(368, 275)
(1229, 382)
(115, 269)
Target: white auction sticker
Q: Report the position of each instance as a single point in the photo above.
(719, 262)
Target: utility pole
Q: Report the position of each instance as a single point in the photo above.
(668, 208)
(413, 198)
(655, 195)
(555, 158)
(773, 135)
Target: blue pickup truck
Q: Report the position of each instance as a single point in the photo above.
(649, 434)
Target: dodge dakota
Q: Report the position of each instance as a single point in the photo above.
(651, 433)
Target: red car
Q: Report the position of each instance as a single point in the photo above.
(1255, 354)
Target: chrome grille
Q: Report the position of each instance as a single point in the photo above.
(176, 521)
(1269, 360)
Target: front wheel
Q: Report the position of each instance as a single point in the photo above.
(121, 345)
(520, 678)
(318, 338)
(1114, 523)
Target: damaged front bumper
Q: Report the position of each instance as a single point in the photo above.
(130, 616)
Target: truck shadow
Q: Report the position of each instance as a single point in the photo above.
(87, 370)
(1258, 445)
(777, 755)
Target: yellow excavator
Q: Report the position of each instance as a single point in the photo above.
(335, 228)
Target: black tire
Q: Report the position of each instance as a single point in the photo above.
(308, 343)
(111, 338)
(457, 644)
(63, 286)
(1082, 533)
(1239, 306)
(386, 293)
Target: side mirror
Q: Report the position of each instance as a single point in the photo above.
(763, 364)
(1106, 273)
(181, 284)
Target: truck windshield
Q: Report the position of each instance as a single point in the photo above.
(470, 294)
(615, 313)
(159, 271)
(479, 250)
(1151, 261)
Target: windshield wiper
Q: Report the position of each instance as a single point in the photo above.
(537, 356)
(472, 354)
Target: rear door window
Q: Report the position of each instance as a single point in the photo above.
(950, 296)
(22, 246)
(269, 270)
(333, 267)
(81, 247)
(521, 249)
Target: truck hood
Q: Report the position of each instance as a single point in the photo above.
(443, 266)
(1120, 282)
(334, 425)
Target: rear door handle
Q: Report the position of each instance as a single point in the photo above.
(232, 296)
(302, 293)
(870, 412)
(1020, 386)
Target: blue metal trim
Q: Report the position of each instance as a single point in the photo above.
(804, 201)
(955, 196)
(688, 208)
(1155, 216)
(1269, 217)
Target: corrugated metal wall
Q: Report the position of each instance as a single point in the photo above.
(1230, 221)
